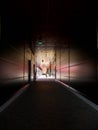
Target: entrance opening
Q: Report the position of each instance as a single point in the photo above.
(45, 62)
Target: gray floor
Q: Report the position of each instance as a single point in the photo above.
(46, 105)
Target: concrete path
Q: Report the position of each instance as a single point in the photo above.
(47, 105)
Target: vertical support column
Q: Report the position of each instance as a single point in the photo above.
(24, 63)
(29, 70)
(35, 63)
(34, 73)
(55, 62)
(60, 63)
(55, 72)
(50, 69)
(68, 62)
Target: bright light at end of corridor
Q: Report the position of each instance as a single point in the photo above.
(44, 77)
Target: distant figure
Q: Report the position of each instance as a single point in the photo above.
(38, 72)
(44, 68)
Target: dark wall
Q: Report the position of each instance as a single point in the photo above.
(76, 64)
(14, 61)
(97, 65)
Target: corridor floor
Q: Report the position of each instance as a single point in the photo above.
(47, 105)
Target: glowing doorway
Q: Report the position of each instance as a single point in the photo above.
(45, 62)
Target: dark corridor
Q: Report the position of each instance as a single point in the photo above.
(45, 44)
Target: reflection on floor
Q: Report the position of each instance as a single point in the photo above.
(45, 77)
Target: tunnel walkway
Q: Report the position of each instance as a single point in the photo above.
(47, 105)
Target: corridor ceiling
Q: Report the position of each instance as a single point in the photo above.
(53, 22)
(24, 19)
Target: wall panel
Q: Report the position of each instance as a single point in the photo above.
(14, 61)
